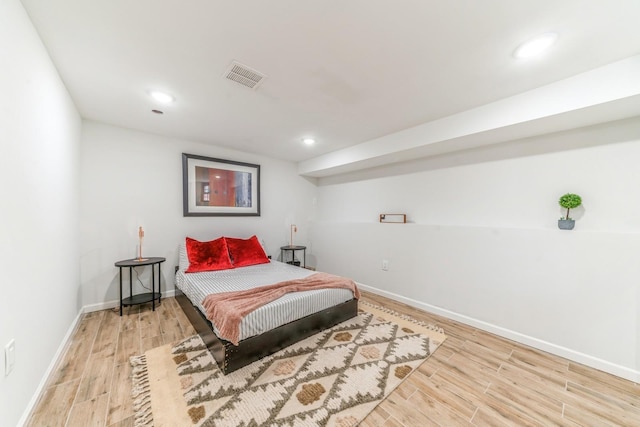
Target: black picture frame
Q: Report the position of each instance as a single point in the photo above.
(219, 187)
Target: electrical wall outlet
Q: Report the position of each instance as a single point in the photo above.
(9, 357)
(385, 264)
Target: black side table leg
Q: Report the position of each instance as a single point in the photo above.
(120, 291)
(153, 288)
(130, 285)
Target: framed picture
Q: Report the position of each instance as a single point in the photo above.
(217, 187)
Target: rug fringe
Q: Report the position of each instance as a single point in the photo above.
(141, 392)
(429, 326)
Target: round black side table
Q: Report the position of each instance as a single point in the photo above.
(147, 296)
(293, 249)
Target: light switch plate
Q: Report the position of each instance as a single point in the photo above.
(9, 357)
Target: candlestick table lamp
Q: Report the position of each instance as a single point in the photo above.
(140, 236)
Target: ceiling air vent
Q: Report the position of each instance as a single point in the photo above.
(244, 75)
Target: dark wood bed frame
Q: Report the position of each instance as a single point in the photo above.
(230, 357)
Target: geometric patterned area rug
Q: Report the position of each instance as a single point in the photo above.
(334, 378)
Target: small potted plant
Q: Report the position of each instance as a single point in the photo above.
(568, 201)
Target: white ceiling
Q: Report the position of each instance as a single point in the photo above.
(347, 72)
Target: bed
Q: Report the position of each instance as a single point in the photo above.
(269, 328)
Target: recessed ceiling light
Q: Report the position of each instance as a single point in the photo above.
(535, 46)
(162, 97)
(309, 141)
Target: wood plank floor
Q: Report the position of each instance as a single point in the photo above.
(473, 379)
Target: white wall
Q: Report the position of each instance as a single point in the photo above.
(483, 245)
(131, 179)
(39, 167)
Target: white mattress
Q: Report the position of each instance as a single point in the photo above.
(286, 309)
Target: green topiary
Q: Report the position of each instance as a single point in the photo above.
(570, 201)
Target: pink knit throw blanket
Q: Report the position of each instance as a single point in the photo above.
(226, 310)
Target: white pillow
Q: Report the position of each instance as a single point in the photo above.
(183, 259)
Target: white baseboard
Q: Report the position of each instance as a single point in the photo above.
(63, 345)
(567, 353)
(54, 362)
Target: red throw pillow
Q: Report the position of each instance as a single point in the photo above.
(246, 252)
(207, 256)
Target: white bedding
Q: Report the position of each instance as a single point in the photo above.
(286, 309)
